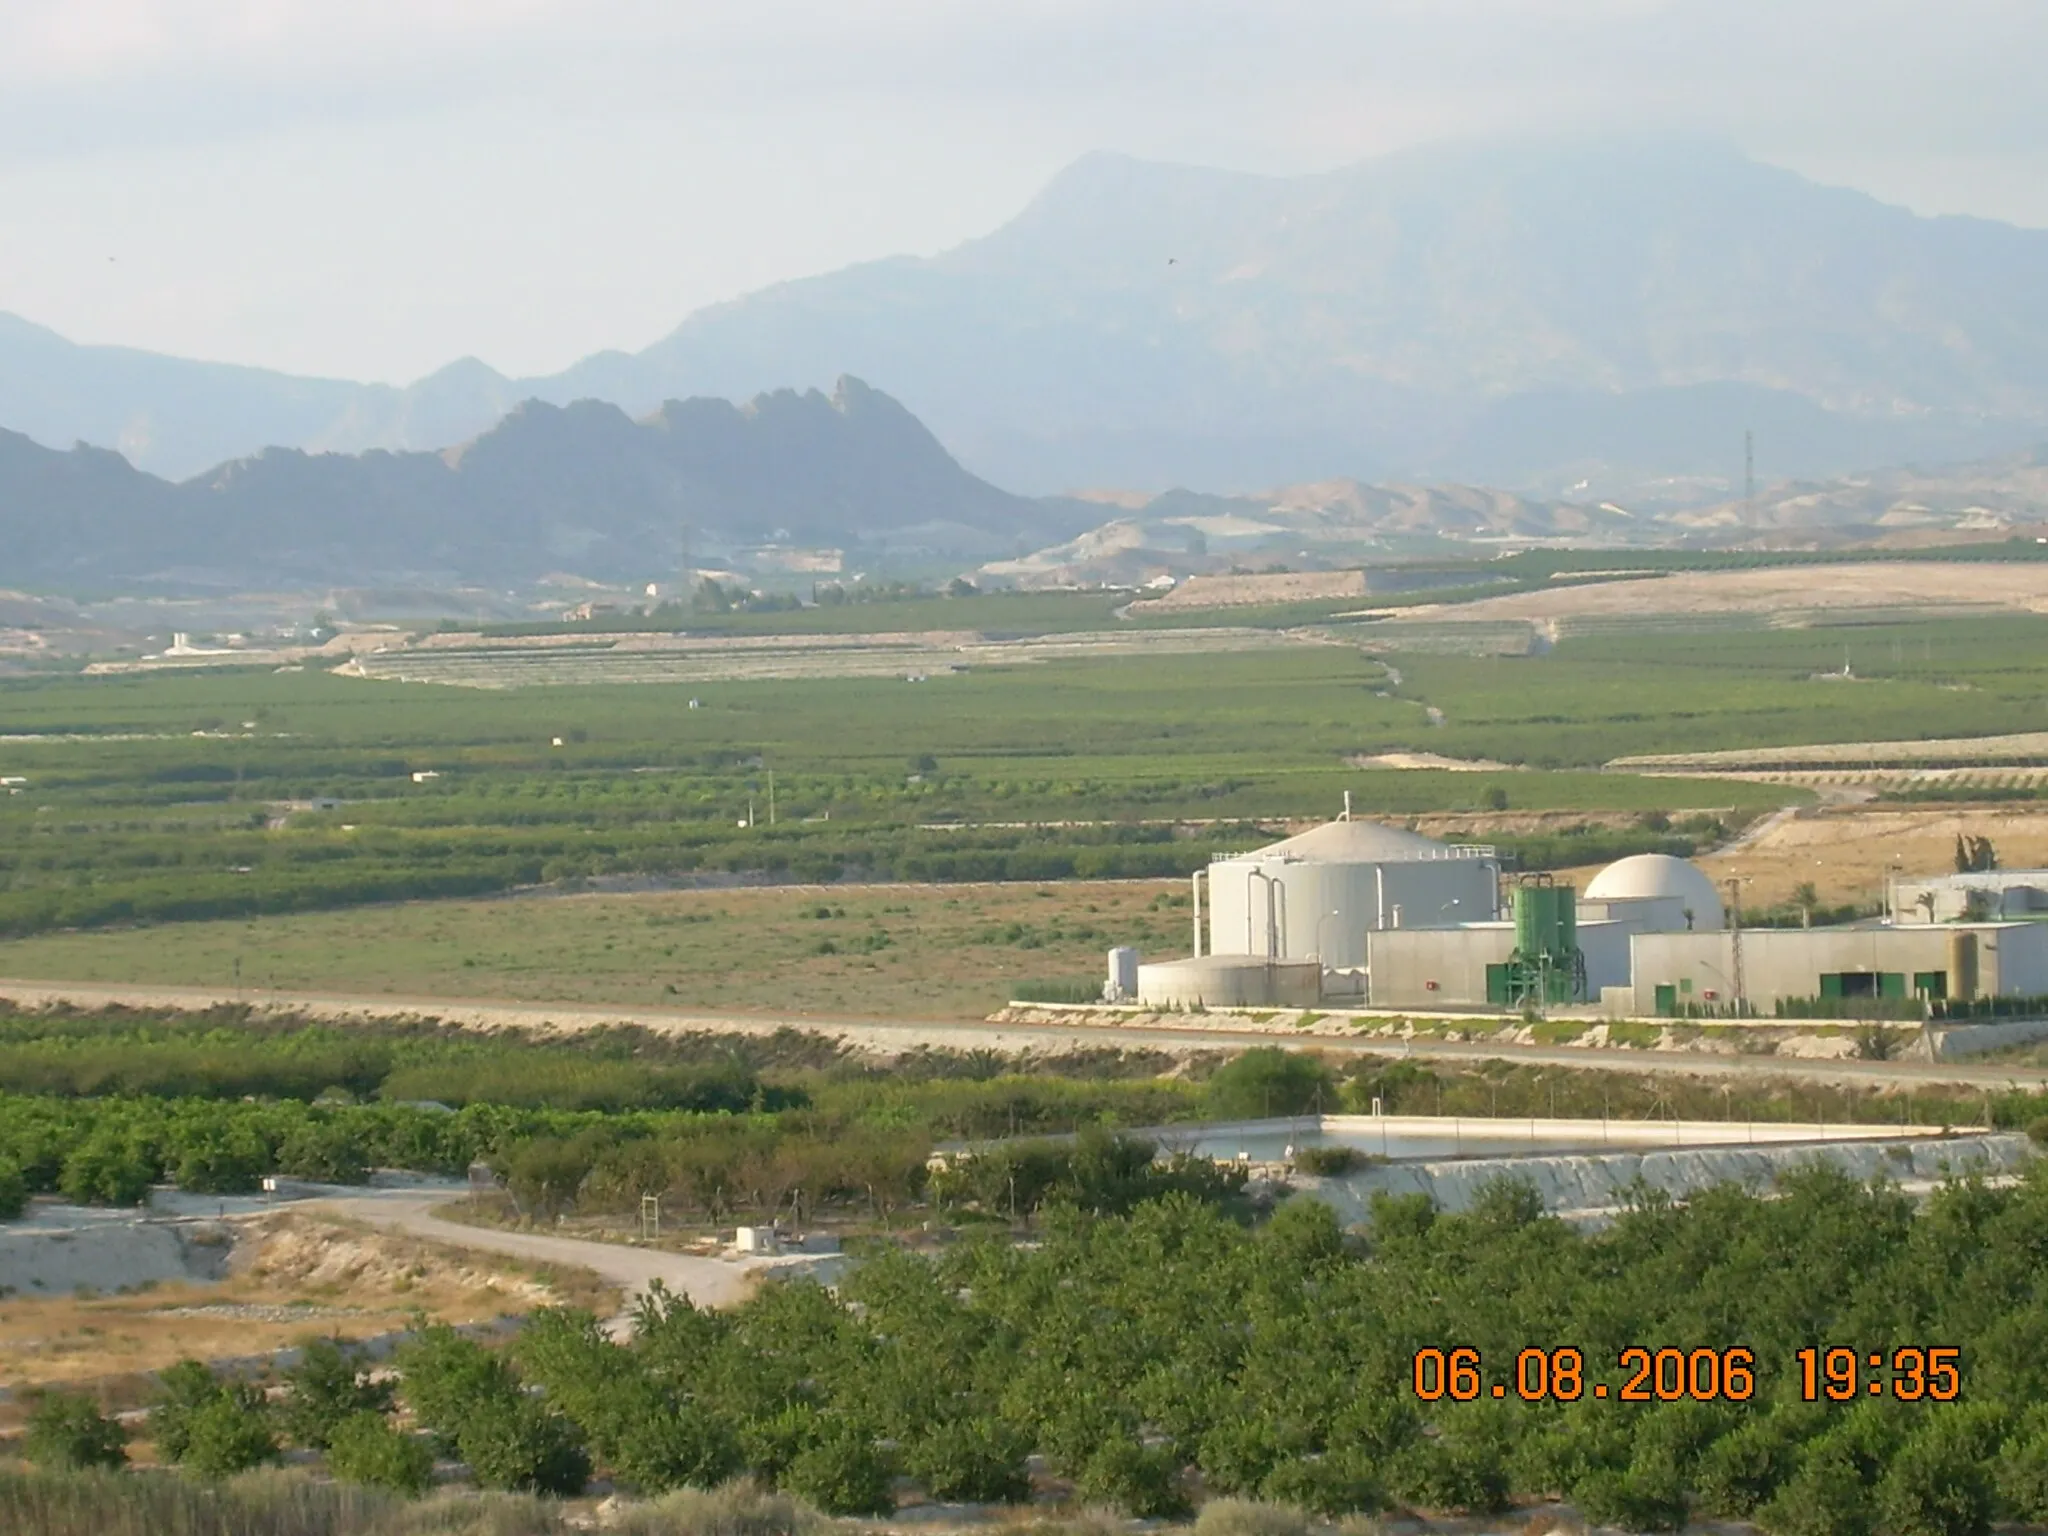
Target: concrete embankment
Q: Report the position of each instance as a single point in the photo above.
(1593, 1186)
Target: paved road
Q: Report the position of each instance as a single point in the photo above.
(971, 1034)
(707, 1282)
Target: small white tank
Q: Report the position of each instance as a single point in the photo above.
(1123, 975)
(1231, 981)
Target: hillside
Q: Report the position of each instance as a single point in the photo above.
(1529, 316)
(583, 488)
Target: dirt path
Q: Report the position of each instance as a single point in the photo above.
(973, 1034)
(707, 1282)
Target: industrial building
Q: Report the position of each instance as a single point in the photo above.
(1897, 961)
(1975, 896)
(1356, 912)
(1589, 940)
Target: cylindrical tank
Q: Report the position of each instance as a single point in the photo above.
(1962, 966)
(1545, 922)
(1123, 974)
(1226, 981)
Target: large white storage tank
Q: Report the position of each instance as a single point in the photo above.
(1316, 896)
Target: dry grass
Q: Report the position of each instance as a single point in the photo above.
(1846, 852)
(909, 951)
(294, 1275)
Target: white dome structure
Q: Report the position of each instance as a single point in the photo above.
(1646, 879)
(1356, 842)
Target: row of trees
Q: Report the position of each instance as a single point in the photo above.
(1174, 1351)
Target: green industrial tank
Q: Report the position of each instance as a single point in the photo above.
(1546, 966)
(1546, 921)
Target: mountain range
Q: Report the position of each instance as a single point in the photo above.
(582, 488)
(1531, 316)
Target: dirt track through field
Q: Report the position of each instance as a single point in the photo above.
(885, 1036)
(707, 1282)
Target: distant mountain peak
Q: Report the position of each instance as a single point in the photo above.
(1415, 315)
(544, 486)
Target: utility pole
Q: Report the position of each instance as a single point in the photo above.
(1735, 940)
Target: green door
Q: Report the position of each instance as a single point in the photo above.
(1667, 999)
(1830, 983)
(1497, 985)
(1891, 984)
(1932, 984)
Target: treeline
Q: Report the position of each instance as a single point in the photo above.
(1175, 1353)
(100, 878)
(231, 1057)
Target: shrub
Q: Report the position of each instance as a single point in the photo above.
(182, 1390)
(447, 1378)
(364, 1448)
(1740, 1471)
(1825, 1497)
(108, 1169)
(658, 1446)
(1335, 1483)
(325, 1151)
(13, 1190)
(1331, 1161)
(325, 1388)
(1267, 1081)
(230, 1434)
(978, 1461)
(843, 1474)
(518, 1445)
(1447, 1477)
(1140, 1481)
(2022, 1468)
(1940, 1483)
(67, 1431)
(1636, 1500)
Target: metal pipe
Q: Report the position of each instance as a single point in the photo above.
(1195, 883)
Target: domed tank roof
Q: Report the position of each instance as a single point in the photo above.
(1356, 842)
(1645, 876)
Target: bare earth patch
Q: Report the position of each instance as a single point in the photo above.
(291, 1275)
(1846, 852)
(2017, 587)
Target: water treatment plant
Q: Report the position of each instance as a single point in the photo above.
(1354, 913)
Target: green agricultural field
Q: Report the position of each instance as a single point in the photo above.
(1600, 697)
(912, 951)
(190, 796)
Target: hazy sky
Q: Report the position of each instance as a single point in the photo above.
(372, 188)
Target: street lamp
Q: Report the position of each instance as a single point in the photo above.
(1440, 911)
